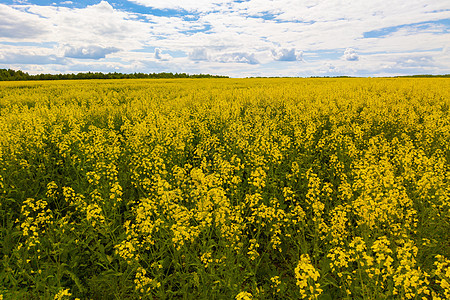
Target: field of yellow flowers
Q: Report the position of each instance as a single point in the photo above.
(225, 189)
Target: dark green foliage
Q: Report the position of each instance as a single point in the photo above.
(12, 75)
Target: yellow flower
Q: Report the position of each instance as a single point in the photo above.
(244, 296)
(62, 294)
(307, 277)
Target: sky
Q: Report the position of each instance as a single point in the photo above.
(242, 38)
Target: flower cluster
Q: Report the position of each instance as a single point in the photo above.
(307, 277)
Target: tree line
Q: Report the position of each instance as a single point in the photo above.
(426, 76)
(12, 75)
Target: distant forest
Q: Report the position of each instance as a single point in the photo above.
(414, 76)
(12, 75)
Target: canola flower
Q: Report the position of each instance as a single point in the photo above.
(225, 188)
(244, 296)
(63, 294)
(307, 276)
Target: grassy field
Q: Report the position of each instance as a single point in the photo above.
(225, 189)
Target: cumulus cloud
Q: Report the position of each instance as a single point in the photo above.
(91, 25)
(199, 54)
(158, 53)
(238, 57)
(350, 55)
(189, 5)
(328, 68)
(446, 50)
(415, 61)
(89, 52)
(287, 55)
(30, 59)
(18, 25)
(162, 56)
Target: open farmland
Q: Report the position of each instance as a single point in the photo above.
(225, 189)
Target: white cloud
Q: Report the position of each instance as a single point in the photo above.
(238, 57)
(89, 52)
(19, 25)
(26, 58)
(158, 53)
(199, 54)
(92, 25)
(287, 54)
(189, 5)
(350, 55)
(400, 41)
(162, 56)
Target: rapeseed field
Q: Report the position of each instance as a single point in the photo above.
(225, 189)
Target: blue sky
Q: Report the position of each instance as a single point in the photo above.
(236, 38)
